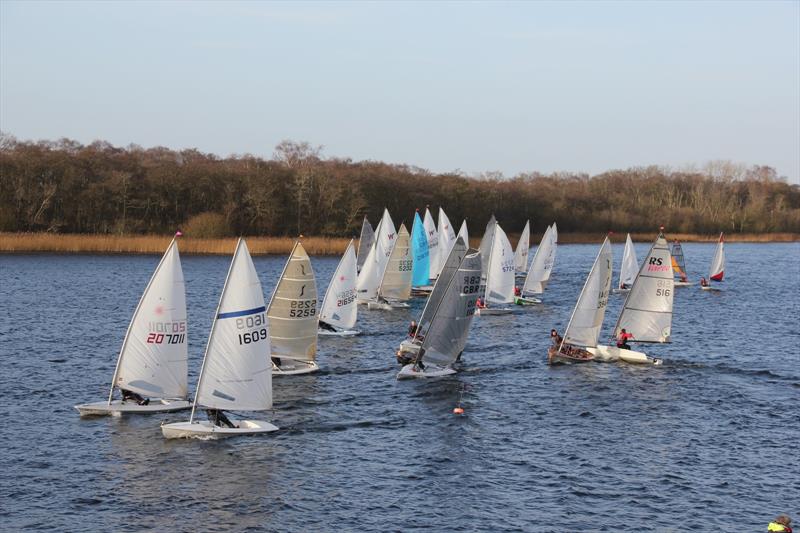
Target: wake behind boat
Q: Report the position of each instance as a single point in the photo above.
(236, 371)
(151, 371)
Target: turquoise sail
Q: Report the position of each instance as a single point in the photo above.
(420, 272)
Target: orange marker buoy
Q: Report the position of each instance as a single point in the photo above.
(458, 411)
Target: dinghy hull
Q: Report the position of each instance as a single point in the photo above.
(292, 367)
(709, 288)
(575, 355)
(386, 306)
(493, 312)
(527, 301)
(343, 333)
(612, 353)
(683, 283)
(206, 430)
(431, 371)
(117, 407)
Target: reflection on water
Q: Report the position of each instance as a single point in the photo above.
(597, 446)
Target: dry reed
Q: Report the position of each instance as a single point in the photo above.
(155, 244)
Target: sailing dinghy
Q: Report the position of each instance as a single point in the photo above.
(542, 264)
(447, 332)
(371, 273)
(235, 375)
(409, 347)
(339, 309)
(521, 253)
(421, 269)
(433, 243)
(586, 321)
(364, 243)
(447, 239)
(292, 314)
(463, 232)
(679, 265)
(153, 359)
(647, 312)
(395, 287)
(630, 267)
(717, 271)
(499, 275)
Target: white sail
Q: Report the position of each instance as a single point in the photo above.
(385, 237)
(647, 313)
(451, 266)
(368, 280)
(433, 242)
(339, 308)
(292, 311)
(486, 244)
(630, 265)
(396, 282)
(153, 357)
(364, 242)
(587, 318)
(447, 238)
(500, 276)
(542, 264)
(523, 247)
(717, 271)
(464, 233)
(447, 335)
(237, 372)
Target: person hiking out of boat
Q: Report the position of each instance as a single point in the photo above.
(412, 328)
(218, 418)
(130, 395)
(703, 282)
(479, 303)
(276, 361)
(556, 338)
(327, 327)
(622, 339)
(781, 523)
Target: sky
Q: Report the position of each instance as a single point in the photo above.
(469, 86)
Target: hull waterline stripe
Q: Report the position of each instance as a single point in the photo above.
(234, 314)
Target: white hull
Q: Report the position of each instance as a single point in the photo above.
(206, 430)
(117, 407)
(683, 283)
(387, 306)
(291, 367)
(620, 291)
(527, 301)
(493, 311)
(343, 333)
(612, 353)
(709, 288)
(409, 372)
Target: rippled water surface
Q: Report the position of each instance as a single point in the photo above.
(708, 441)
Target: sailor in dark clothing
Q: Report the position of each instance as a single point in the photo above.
(326, 326)
(218, 418)
(412, 328)
(276, 361)
(130, 395)
(556, 338)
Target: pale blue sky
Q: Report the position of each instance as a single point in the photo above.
(473, 86)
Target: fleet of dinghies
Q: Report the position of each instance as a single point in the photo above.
(251, 341)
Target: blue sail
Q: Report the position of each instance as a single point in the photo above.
(420, 272)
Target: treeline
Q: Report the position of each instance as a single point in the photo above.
(67, 187)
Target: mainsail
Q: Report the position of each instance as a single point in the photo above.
(447, 335)
(647, 313)
(433, 242)
(587, 318)
(486, 244)
(678, 260)
(339, 308)
(464, 233)
(384, 241)
(419, 251)
(451, 265)
(292, 311)
(447, 238)
(500, 276)
(153, 357)
(630, 265)
(717, 271)
(236, 372)
(542, 264)
(396, 282)
(364, 242)
(523, 246)
(370, 275)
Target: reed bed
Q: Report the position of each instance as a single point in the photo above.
(155, 244)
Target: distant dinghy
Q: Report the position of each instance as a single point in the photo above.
(432, 235)
(647, 312)
(542, 265)
(364, 243)
(153, 359)
(371, 273)
(235, 375)
(679, 265)
(446, 334)
(421, 270)
(523, 248)
(395, 286)
(717, 271)
(339, 309)
(630, 267)
(292, 314)
(463, 232)
(586, 321)
(447, 239)
(499, 276)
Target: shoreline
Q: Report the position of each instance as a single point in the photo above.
(18, 243)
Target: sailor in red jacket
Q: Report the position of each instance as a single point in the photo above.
(622, 339)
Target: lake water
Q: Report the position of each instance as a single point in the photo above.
(708, 441)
